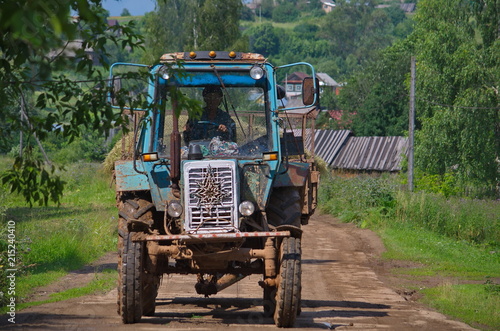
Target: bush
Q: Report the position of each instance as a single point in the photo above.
(285, 12)
(375, 201)
(458, 218)
(353, 199)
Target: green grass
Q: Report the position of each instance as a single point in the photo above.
(441, 256)
(51, 241)
(445, 237)
(438, 254)
(102, 282)
(476, 304)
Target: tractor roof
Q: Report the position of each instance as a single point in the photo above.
(212, 56)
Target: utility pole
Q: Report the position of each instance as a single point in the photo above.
(411, 130)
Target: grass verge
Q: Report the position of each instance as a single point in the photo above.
(475, 303)
(51, 241)
(451, 239)
(102, 282)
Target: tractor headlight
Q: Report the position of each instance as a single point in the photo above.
(246, 208)
(174, 209)
(257, 72)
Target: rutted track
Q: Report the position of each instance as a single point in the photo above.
(340, 291)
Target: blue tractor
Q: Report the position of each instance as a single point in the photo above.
(218, 183)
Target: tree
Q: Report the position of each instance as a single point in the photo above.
(187, 25)
(265, 9)
(378, 93)
(458, 77)
(263, 39)
(44, 90)
(247, 14)
(209, 32)
(356, 32)
(285, 12)
(166, 28)
(125, 12)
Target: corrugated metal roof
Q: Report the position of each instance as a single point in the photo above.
(408, 7)
(371, 153)
(326, 79)
(340, 150)
(328, 143)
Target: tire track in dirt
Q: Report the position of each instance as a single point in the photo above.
(340, 290)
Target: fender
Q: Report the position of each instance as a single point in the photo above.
(296, 175)
(127, 179)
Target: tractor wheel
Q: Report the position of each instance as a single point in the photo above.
(288, 290)
(284, 207)
(137, 289)
(130, 273)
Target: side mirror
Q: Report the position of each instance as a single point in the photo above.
(280, 91)
(310, 92)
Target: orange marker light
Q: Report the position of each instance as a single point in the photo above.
(212, 54)
(150, 157)
(271, 156)
(192, 55)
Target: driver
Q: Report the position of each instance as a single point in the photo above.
(213, 122)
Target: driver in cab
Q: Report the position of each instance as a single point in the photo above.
(213, 121)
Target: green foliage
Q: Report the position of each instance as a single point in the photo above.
(247, 14)
(475, 221)
(306, 30)
(34, 180)
(377, 94)
(263, 39)
(445, 185)
(352, 199)
(436, 253)
(376, 201)
(180, 25)
(285, 12)
(458, 74)
(38, 77)
(266, 8)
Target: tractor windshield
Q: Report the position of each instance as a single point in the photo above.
(233, 123)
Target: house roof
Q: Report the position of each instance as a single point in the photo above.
(69, 49)
(341, 150)
(326, 79)
(328, 143)
(372, 154)
(329, 3)
(297, 78)
(408, 7)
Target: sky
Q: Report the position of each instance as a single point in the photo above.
(136, 8)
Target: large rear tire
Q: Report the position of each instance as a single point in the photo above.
(284, 207)
(288, 292)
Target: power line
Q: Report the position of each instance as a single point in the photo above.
(453, 106)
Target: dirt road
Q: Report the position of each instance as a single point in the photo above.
(341, 291)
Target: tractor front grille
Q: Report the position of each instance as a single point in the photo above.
(210, 195)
